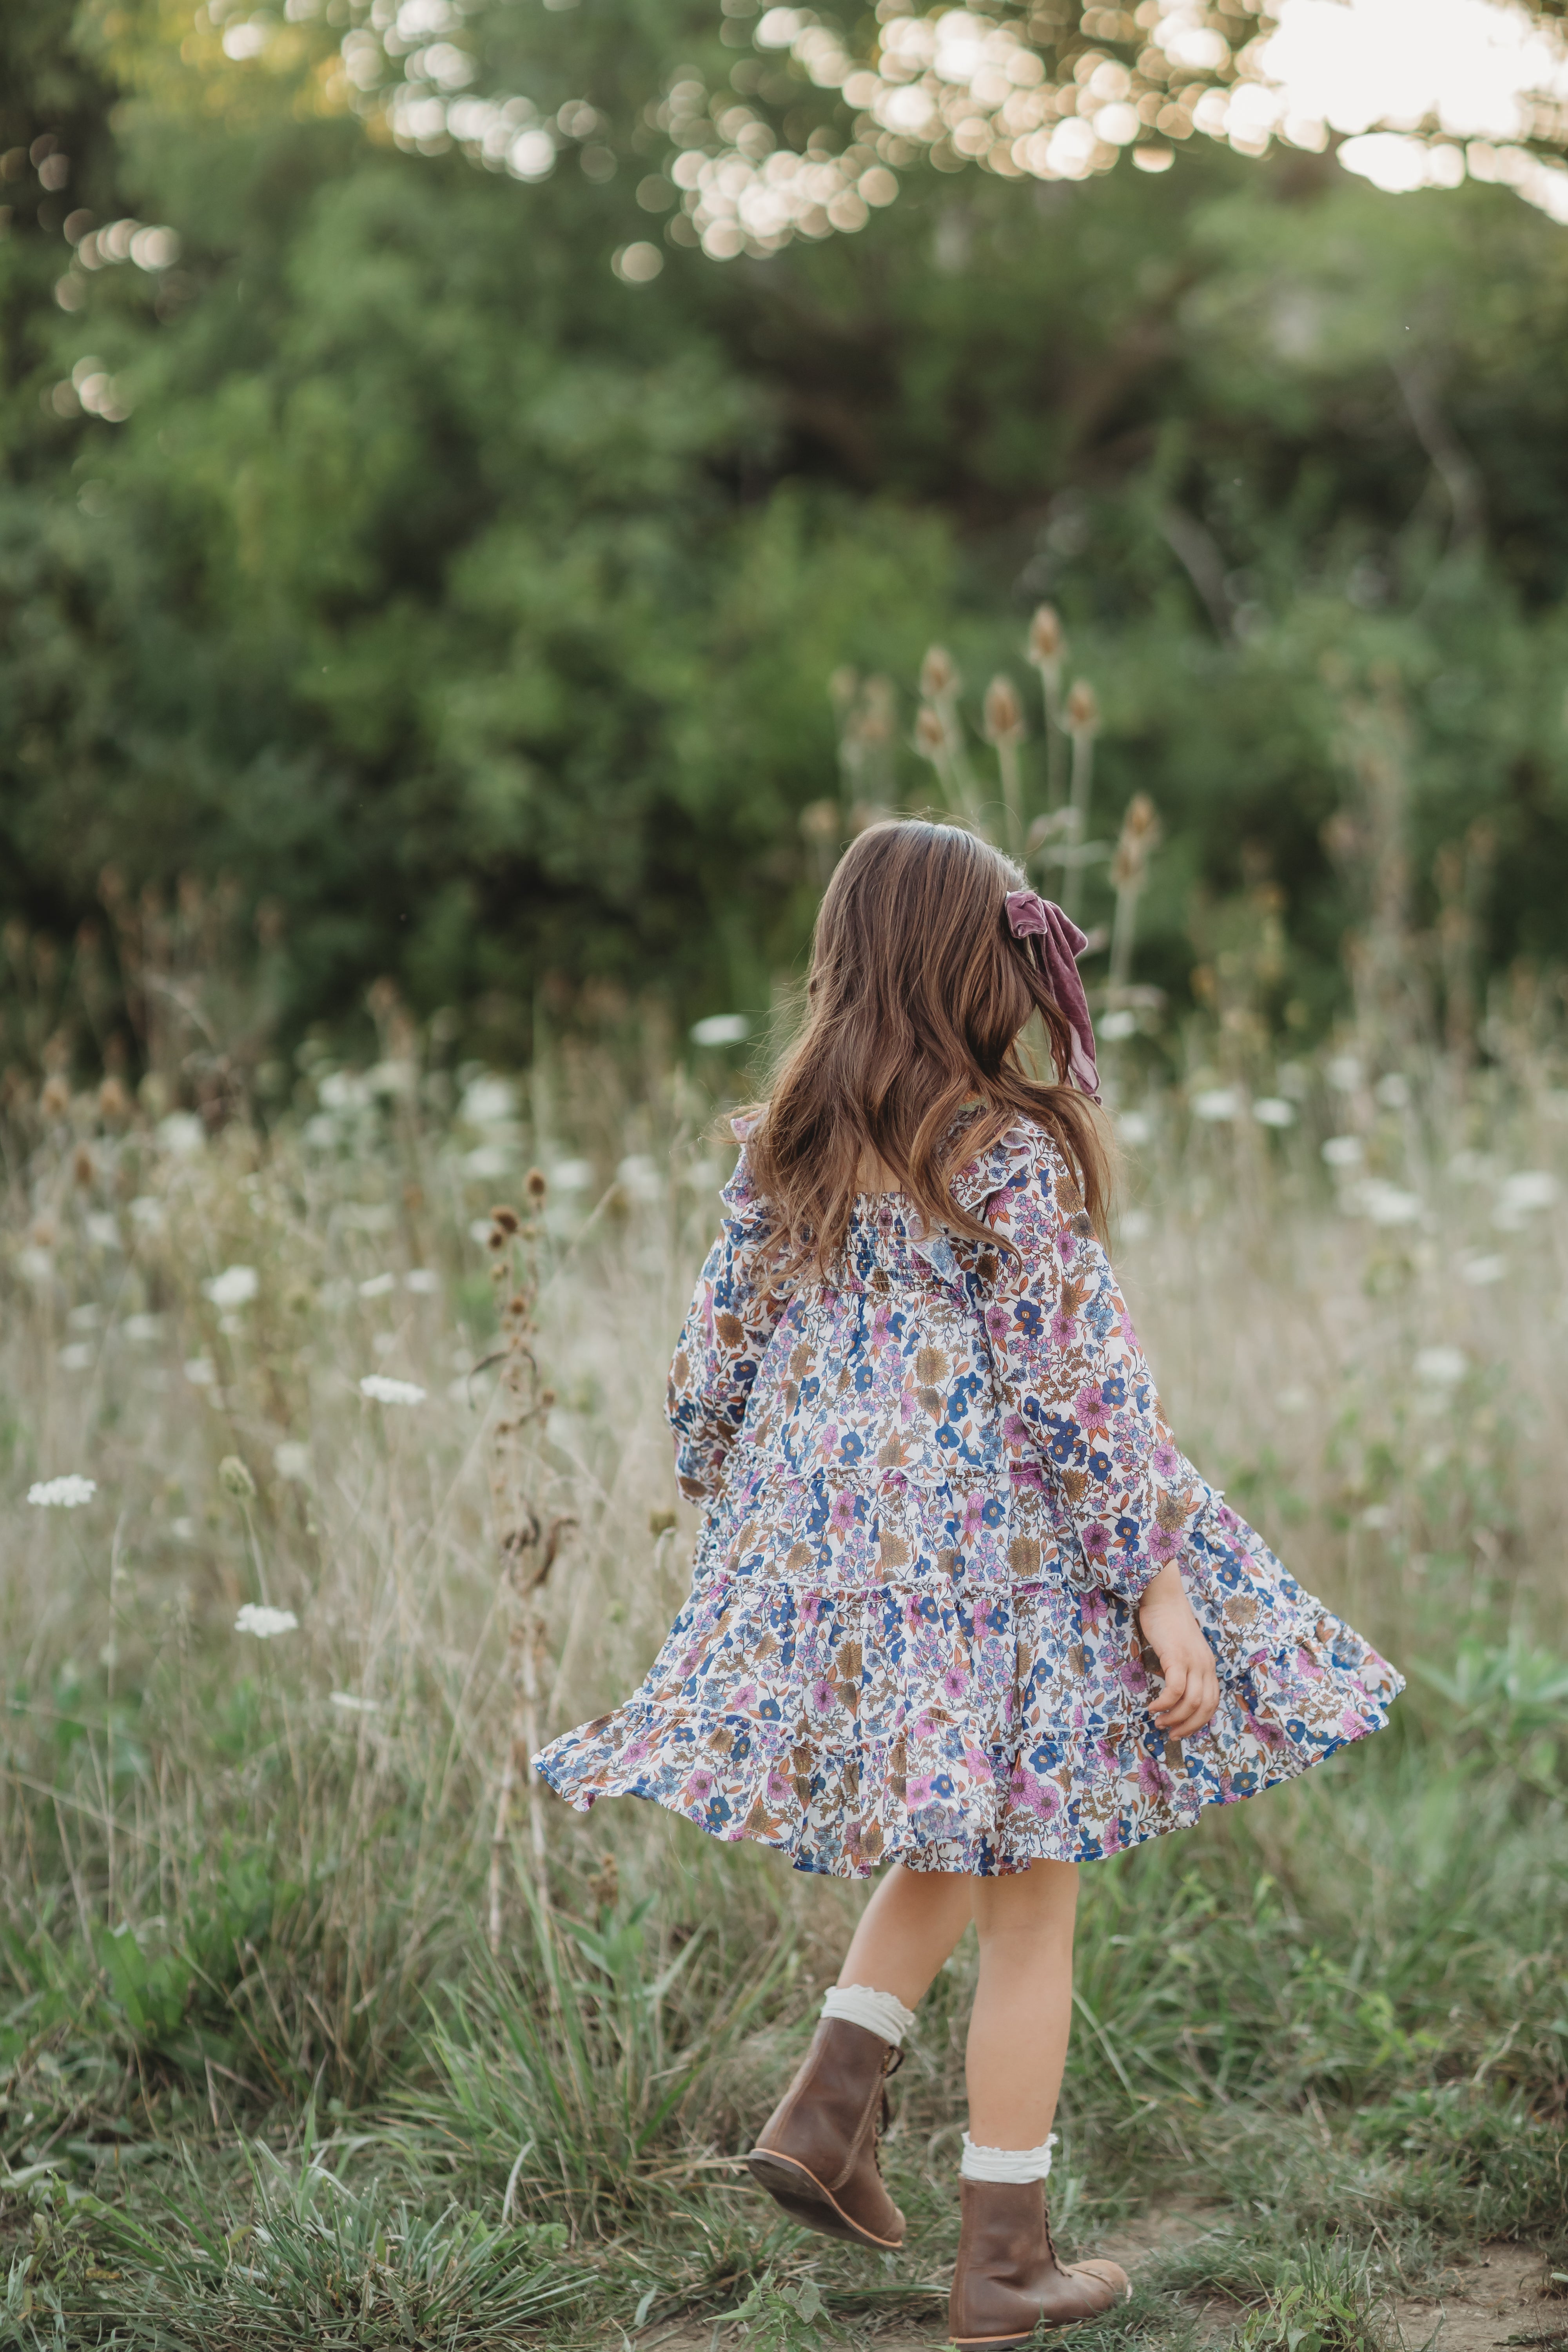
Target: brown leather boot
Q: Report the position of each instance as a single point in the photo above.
(817, 2154)
(1008, 2279)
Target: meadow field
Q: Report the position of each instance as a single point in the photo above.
(326, 1485)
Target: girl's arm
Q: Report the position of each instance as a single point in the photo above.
(1079, 1388)
(732, 1317)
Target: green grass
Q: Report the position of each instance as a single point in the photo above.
(262, 2082)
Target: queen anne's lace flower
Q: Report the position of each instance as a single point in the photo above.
(236, 1286)
(380, 1391)
(264, 1622)
(62, 1494)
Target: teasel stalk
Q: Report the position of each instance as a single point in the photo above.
(1045, 650)
(1138, 840)
(529, 1548)
(1081, 719)
(1003, 720)
(939, 734)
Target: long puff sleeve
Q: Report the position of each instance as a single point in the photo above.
(733, 1316)
(1079, 1396)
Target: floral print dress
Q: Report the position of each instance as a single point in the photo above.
(933, 1489)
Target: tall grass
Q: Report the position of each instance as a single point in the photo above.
(243, 1875)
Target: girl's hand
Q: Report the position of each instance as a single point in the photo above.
(1191, 1686)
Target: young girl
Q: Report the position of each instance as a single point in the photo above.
(947, 1541)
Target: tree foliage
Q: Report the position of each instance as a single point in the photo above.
(373, 532)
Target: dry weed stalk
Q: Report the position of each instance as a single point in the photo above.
(1136, 844)
(529, 1547)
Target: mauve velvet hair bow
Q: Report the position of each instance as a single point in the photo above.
(1061, 944)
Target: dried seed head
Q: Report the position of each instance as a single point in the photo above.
(940, 680)
(547, 1397)
(56, 1098)
(505, 1221)
(931, 735)
(82, 1168)
(113, 1102)
(534, 1185)
(877, 721)
(236, 1479)
(1136, 842)
(661, 1523)
(1047, 642)
(1082, 709)
(1003, 718)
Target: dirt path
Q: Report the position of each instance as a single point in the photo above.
(1494, 2302)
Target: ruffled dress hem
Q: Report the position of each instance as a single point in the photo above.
(974, 1855)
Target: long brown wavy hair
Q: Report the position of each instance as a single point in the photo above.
(915, 1009)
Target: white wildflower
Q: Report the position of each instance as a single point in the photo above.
(147, 1212)
(1522, 1196)
(381, 1390)
(378, 1285)
(422, 1279)
(264, 1622)
(65, 1494)
(236, 1286)
(1393, 1091)
(102, 1229)
(1117, 1025)
(1343, 1074)
(142, 1327)
(722, 1029)
(1273, 1110)
(1385, 1205)
(181, 1134)
(202, 1372)
(291, 1460)
(1344, 1152)
(639, 1177)
(488, 1161)
(344, 1090)
(1441, 1367)
(487, 1102)
(353, 1705)
(35, 1264)
(1478, 1272)
(79, 1357)
(1134, 1128)
(1217, 1103)
(571, 1175)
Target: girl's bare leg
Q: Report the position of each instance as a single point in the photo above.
(909, 1928)
(1023, 2003)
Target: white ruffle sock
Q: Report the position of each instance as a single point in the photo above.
(878, 2013)
(1016, 2165)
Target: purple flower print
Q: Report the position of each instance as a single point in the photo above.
(812, 1604)
(973, 1517)
(919, 1791)
(1163, 1545)
(823, 1695)
(1167, 1462)
(1153, 1780)
(1016, 1430)
(700, 1788)
(1095, 1539)
(778, 1786)
(1090, 1409)
(996, 1323)
(841, 1517)
(977, 1763)
(1064, 1331)
(955, 1682)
